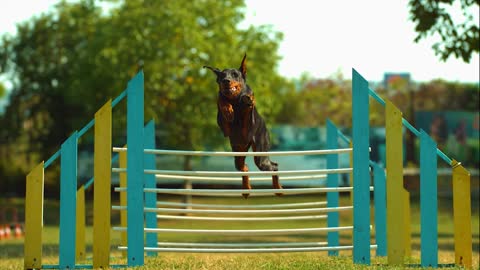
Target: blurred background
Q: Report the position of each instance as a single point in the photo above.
(61, 60)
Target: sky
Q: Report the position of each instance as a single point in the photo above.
(325, 38)
(372, 36)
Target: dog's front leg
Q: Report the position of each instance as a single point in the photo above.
(226, 109)
(225, 116)
(247, 102)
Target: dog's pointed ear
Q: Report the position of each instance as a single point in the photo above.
(243, 66)
(216, 70)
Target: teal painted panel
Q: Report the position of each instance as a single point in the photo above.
(361, 173)
(332, 181)
(380, 196)
(135, 198)
(68, 201)
(150, 182)
(428, 201)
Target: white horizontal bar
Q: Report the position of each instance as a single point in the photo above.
(243, 211)
(235, 173)
(243, 232)
(253, 206)
(234, 212)
(229, 192)
(233, 154)
(237, 192)
(242, 218)
(236, 179)
(240, 245)
(249, 250)
(254, 173)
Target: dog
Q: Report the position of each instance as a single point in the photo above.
(239, 120)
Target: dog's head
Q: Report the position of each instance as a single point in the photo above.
(231, 81)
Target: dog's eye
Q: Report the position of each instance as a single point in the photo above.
(235, 75)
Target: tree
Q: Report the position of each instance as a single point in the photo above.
(316, 100)
(68, 62)
(436, 17)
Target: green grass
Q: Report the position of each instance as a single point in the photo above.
(11, 251)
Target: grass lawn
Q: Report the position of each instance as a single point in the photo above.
(11, 251)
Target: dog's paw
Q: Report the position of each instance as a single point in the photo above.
(246, 186)
(278, 186)
(248, 100)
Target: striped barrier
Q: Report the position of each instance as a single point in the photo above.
(139, 197)
(166, 210)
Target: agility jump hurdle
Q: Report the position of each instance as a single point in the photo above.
(72, 208)
(199, 210)
(139, 140)
(397, 198)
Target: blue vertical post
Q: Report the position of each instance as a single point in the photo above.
(361, 174)
(135, 216)
(428, 201)
(332, 181)
(380, 196)
(68, 201)
(150, 182)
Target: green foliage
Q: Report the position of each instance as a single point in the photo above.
(448, 96)
(315, 100)
(3, 91)
(435, 18)
(68, 62)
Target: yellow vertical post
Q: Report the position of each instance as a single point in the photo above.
(462, 215)
(395, 190)
(34, 218)
(407, 224)
(122, 161)
(80, 227)
(102, 184)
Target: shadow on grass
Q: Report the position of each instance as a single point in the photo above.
(445, 265)
(16, 250)
(417, 265)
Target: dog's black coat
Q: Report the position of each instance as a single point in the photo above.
(240, 121)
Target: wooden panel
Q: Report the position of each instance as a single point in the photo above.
(68, 201)
(462, 215)
(407, 221)
(135, 194)
(428, 201)
(34, 218)
(80, 248)
(332, 181)
(361, 172)
(102, 158)
(379, 183)
(150, 182)
(395, 194)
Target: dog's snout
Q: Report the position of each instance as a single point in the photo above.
(226, 81)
